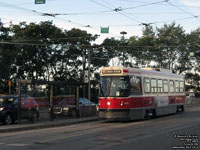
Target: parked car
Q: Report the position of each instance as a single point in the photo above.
(67, 106)
(9, 109)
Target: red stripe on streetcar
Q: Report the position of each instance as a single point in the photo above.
(117, 103)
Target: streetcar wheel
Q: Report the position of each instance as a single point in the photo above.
(180, 109)
(150, 114)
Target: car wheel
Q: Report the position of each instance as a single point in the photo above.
(34, 116)
(73, 113)
(8, 119)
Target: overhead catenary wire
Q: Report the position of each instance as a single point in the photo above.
(54, 15)
(145, 2)
(119, 9)
(110, 9)
(91, 46)
(116, 10)
(182, 10)
(144, 5)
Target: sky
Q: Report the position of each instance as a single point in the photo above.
(91, 15)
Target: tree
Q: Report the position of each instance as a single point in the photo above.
(77, 45)
(193, 45)
(143, 48)
(49, 53)
(35, 49)
(170, 43)
(7, 55)
(110, 50)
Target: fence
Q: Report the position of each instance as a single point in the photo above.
(44, 100)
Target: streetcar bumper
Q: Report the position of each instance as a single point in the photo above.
(122, 114)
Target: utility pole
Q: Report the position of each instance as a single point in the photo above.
(83, 73)
(89, 74)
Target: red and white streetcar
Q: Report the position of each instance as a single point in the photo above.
(133, 93)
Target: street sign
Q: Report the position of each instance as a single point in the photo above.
(104, 29)
(39, 1)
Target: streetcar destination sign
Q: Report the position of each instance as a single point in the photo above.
(111, 71)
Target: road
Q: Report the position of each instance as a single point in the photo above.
(180, 131)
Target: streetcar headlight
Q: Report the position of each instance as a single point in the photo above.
(108, 103)
(65, 108)
(2, 108)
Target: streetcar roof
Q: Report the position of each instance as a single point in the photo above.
(153, 72)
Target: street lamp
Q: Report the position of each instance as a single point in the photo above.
(123, 33)
(123, 40)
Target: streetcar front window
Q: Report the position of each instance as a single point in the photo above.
(114, 86)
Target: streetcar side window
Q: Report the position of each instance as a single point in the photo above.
(160, 86)
(135, 85)
(147, 85)
(153, 86)
(181, 86)
(177, 86)
(171, 86)
(166, 86)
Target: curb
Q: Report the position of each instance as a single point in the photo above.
(47, 125)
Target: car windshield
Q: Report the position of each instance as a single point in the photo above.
(114, 86)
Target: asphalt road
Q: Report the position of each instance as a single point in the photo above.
(180, 131)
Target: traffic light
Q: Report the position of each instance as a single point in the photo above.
(85, 76)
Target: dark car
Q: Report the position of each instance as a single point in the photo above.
(9, 109)
(67, 106)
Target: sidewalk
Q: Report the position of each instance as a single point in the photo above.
(45, 124)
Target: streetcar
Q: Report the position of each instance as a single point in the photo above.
(139, 93)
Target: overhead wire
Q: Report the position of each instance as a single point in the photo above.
(54, 16)
(110, 9)
(92, 46)
(145, 2)
(182, 10)
(116, 10)
(185, 18)
(119, 9)
(154, 3)
(17, 7)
